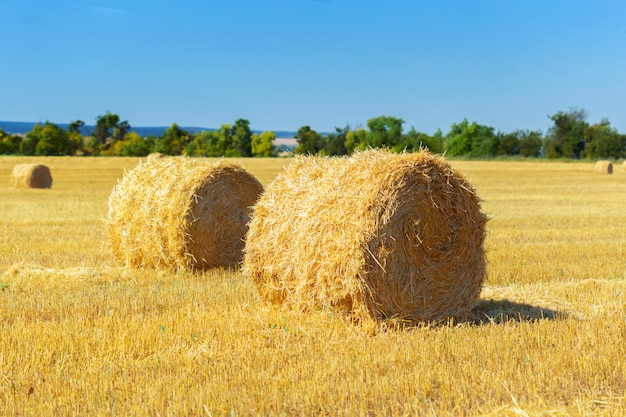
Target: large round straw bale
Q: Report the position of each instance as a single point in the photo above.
(378, 235)
(624, 165)
(604, 167)
(31, 176)
(181, 213)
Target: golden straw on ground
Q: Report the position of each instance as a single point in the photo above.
(31, 176)
(378, 235)
(181, 213)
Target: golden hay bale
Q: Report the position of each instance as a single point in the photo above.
(624, 165)
(378, 235)
(604, 167)
(181, 213)
(31, 176)
(156, 155)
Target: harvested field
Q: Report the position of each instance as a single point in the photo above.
(83, 335)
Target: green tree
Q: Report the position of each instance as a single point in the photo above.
(356, 140)
(414, 141)
(335, 143)
(384, 131)
(530, 143)
(75, 135)
(508, 143)
(566, 137)
(309, 141)
(208, 143)
(438, 139)
(47, 140)
(9, 144)
(471, 139)
(602, 141)
(102, 131)
(196, 146)
(27, 145)
(76, 141)
(91, 146)
(134, 145)
(120, 130)
(263, 145)
(173, 141)
(224, 141)
(75, 126)
(241, 138)
(457, 141)
(213, 143)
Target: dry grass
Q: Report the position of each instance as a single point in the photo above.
(181, 213)
(80, 336)
(375, 236)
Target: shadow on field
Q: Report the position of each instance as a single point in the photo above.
(487, 312)
(502, 311)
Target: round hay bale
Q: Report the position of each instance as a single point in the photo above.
(604, 167)
(31, 176)
(378, 235)
(181, 213)
(156, 155)
(624, 165)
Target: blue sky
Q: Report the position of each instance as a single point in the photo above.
(283, 64)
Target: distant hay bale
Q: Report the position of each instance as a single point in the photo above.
(156, 155)
(624, 165)
(31, 176)
(375, 236)
(181, 213)
(604, 167)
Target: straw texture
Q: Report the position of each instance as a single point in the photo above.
(181, 213)
(31, 176)
(378, 235)
(604, 167)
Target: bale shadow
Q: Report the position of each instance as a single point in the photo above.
(486, 312)
(504, 311)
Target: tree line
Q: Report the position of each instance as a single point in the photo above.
(570, 136)
(113, 137)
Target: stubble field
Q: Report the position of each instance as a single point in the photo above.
(79, 335)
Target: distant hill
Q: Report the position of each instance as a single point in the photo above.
(25, 127)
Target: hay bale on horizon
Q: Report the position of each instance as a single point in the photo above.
(375, 236)
(624, 165)
(604, 167)
(31, 176)
(156, 155)
(181, 213)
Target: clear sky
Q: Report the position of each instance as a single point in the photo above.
(283, 64)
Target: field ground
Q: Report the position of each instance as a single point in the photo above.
(81, 336)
